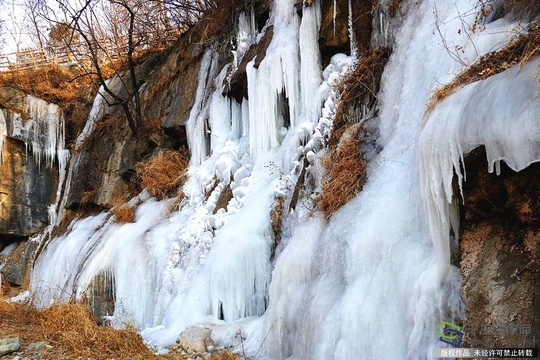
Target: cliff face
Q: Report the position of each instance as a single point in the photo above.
(26, 191)
(28, 182)
(499, 251)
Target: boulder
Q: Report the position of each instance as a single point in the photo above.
(195, 340)
(9, 345)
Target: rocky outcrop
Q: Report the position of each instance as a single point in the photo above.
(103, 168)
(31, 135)
(26, 190)
(16, 264)
(237, 86)
(12, 99)
(334, 32)
(499, 253)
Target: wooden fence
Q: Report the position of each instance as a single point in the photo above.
(59, 55)
(64, 55)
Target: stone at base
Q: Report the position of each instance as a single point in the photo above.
(9, 345)
(195, 340)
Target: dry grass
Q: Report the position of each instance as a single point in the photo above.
(345, 172)
(150, 126)
(53, 83)
(224, 198)
(124, 214)
(72, 332)
(225, 355)
(345, 163)
(217, 23)
(518, 51)
(276, 215)
(109, 127)
(360, 87)
(88, 196)
(164, 173)
(61, 85)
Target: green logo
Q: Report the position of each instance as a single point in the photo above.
(450, 333)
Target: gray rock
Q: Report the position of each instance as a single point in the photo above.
(26, 191)
(13, 99)
(101, 297)
(17, 264)
(9, 345)
(36, 346)
(195, 340)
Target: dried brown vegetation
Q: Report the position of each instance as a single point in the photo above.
(276, 216)
(61, 85)
(224, 198)
(164, 173)
(518, 51)
(150, 126)
(124, 214)
(345, 172)
(359, 88)
(88, 196)
(345, 164)
(52, 83)
(71, 332)
(109, 125)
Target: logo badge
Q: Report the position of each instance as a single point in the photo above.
(450, 333)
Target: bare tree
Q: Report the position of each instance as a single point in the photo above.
(113, 33)
(32, 10)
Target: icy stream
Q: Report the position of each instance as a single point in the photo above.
(372, 282)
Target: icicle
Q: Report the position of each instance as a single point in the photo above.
(310, 62)
(352, 36)
(245, 117)
(3, 134)
(454, 128)
(245, 37)
(43, 132)
(275, 83)
(196, 124)
(62, 155)
(220, 115)
(254, 29)
(236, 120)
(334, 16)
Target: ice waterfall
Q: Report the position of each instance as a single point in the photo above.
(369, 283)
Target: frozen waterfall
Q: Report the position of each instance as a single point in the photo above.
(373, 281)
